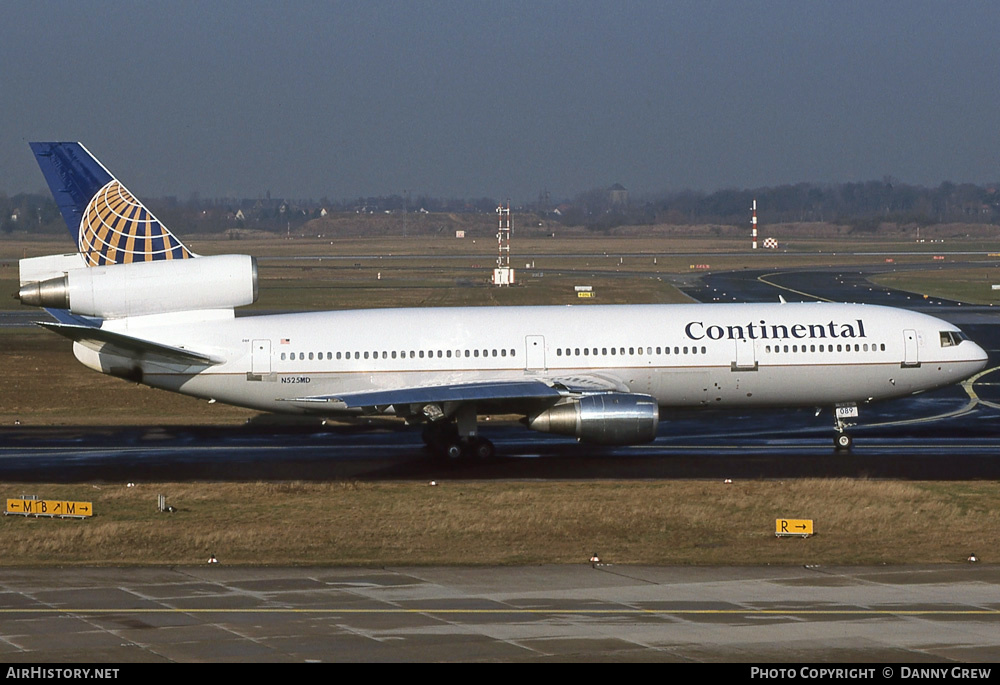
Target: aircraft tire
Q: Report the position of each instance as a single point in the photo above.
(482, 449)
(843, 442)
(453, 450)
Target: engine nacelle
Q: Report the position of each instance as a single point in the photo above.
(608, 419)
(122, 290)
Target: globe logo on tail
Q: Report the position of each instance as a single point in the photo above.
(117, 229)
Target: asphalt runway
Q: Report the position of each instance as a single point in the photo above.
(758, 616)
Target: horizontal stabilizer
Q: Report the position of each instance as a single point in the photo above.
(97, 338)
(68, 317)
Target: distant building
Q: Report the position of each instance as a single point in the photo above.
(618, 196)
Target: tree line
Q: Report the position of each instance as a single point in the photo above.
(863, 206)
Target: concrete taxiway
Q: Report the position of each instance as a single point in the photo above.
(547, 613)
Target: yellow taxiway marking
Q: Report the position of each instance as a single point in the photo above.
(974, 400)
(970, 382)
(763, 279)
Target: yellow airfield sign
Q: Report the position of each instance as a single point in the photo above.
(800, 527)
(49, 507)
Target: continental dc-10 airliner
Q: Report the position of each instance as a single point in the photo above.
(139, 305)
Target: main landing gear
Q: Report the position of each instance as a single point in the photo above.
(842, 441)
(458, 439)
(443, 438)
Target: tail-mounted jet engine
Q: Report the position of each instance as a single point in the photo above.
(122, 290)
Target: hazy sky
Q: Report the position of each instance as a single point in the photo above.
(501, 99)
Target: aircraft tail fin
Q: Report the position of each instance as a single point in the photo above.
(108, 223)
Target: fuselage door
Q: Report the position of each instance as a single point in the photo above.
(746, 359)
(910, 355)
(260, 359)
(534, 353)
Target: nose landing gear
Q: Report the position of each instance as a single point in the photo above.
(842, 441)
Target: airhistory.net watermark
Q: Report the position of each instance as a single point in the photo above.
(47, 673)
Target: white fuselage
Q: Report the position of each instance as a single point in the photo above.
(692, 355)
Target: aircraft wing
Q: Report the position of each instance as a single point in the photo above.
(97, 338)
(499, 393)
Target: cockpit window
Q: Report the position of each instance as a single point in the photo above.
(951, 338)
